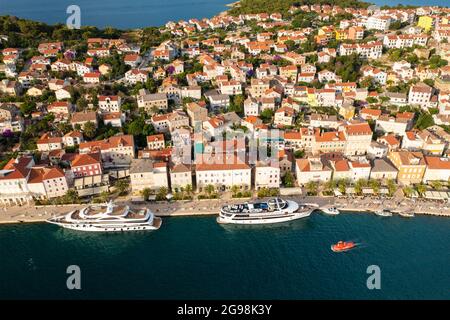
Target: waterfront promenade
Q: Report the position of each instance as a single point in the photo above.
(31, 213)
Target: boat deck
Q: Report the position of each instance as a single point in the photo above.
(157, 222)
(94, 210)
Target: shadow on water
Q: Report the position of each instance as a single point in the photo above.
(101, 241)
(300, 224)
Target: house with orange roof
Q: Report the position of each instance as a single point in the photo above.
(48, 142)
(411, 166)
(370, 114)
(48, 182)
(155, 142)
(312, 169)
(109, 103)
(116, 150)
(222, 171)
(72, 138)
(391, 141)
(358, 136)
(87, 164)
(438, 169)
(284, 116)
(13, 181)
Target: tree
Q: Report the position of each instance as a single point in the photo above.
(122, 186)
(234, 189)
(392, 187)
(408, 191)
(421, 188)
(188, 189)
(266, 115)
(312, 187)
(27, 108)
(71, 196)
(375, 185)
(146, 192)
(330, 185)
(263, 192)
(237, 104)
(162, 194)
(104, 196)
(359, 185)
(342, 186)
(89, 130)
(298, 154)
(437, 185)
(288, 180)
(209, 189)
(424, 121)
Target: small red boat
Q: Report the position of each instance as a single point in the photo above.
(342, 246)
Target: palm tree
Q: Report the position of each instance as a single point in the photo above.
(311, 187)
(146, 193)
(392, 187)
(71, 196)
(359, 186)
(188, 189)
(421, 188)
(437, 185)
(122, 186)
(330, 185)
(342, 186)
(234, 189)
(408, 191)
(209, 189)
(375, 185)
(104, 196)
(162, 193)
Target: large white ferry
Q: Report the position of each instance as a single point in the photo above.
(108, 217)
(271, 211)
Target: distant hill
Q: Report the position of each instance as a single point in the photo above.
(282, 6)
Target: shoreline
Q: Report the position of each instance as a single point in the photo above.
(41, 214)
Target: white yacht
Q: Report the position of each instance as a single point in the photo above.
(271, 211)
(331, 210)
(108, 218)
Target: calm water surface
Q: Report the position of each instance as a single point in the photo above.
(194, 258)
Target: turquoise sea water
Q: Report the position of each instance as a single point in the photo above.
(116, 13)
(135, 13)
(193, 258)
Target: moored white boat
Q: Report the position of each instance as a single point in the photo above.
(383, 213)
(330, 210)
(108, 218)
(271, 211)
(406, 214)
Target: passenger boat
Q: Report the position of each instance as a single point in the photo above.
(383, 213)
(271, 211)
(108, 218)
(343, 246)
(331, 210)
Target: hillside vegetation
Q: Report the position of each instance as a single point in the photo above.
(282, 6)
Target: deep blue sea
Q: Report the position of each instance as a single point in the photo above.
(192, 258)
(135, 13)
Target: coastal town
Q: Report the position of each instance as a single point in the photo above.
(335, 103)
